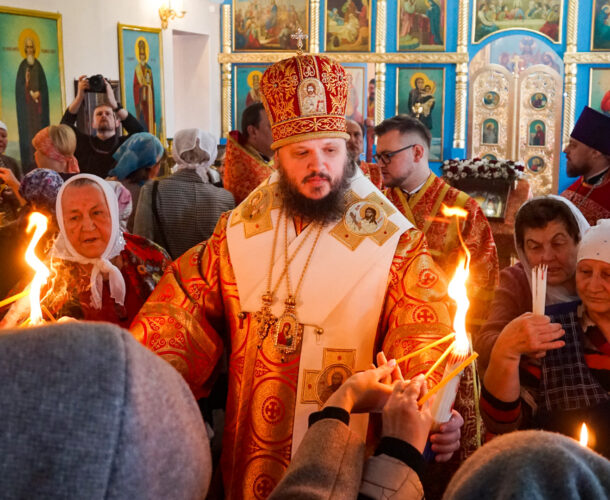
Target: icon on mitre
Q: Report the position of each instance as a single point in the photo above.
(312, 98)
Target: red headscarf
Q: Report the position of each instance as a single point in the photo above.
(43, 143)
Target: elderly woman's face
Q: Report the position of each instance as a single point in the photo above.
(86, 219)
(593, 285)
(552, 246)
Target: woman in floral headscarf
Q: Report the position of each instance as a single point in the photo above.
(99, 273)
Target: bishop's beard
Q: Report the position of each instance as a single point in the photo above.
(322, 211)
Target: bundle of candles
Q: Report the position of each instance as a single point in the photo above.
(37, 222)
(539, 276)
(458, 354)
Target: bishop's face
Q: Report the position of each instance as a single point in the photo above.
(314, 167)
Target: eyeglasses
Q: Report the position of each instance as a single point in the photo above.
(386, 158)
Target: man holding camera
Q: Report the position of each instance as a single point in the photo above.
(94, 152)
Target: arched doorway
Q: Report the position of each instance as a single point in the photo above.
(515, 106)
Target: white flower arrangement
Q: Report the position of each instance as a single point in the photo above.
(482, 168)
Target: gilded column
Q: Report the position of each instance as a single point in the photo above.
(572, 26)
(569, 101)
(461, 78)
(314, 30)
(227, 72)
(570, 69)
(380, 68)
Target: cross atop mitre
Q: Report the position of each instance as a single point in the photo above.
(299, 36)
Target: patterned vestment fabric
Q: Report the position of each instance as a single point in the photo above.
(592, 201)
(194, 314)
(245, 169)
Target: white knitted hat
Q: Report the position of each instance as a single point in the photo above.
(595, 243)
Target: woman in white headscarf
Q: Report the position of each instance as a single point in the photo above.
(99, 273)
(572, 382)
(182, 210)
(547, 231)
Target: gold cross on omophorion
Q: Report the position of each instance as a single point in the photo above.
(299, 36)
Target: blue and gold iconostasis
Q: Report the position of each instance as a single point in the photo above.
(493, 78)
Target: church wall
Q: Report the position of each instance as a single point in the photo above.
(572, 49)
(90, 46)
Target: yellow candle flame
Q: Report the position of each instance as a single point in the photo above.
(454, 211)
(457, 291)
(584, 435)
(457, 286)
(38, 222)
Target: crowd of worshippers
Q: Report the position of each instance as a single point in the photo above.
(266, 300)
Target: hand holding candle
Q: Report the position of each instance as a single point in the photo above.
(445, 440)
(403, 418)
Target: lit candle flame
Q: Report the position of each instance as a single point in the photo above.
(457, 286)
(584, 435)
(457, 291)
(454, 211)
(38, 222)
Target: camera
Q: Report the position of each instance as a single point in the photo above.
(97, 83)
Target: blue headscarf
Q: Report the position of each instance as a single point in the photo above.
(141, 150)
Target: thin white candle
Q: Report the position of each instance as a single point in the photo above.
(539, 278)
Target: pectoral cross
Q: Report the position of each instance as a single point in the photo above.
(299, 36)
(265, 318)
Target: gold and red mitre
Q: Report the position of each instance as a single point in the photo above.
(305, 98)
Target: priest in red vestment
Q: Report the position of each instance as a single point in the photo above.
(355, 148)
(588, 155)
(249, 157)
(300, 285)
(403, 148)
(403, 145)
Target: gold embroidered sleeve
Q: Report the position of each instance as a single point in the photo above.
(484, 268)
(417, 308)
(182, 319)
